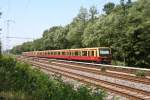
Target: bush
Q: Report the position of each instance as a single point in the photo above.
(140, 73)
(103, 69)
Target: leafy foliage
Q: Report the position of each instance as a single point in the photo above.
(124, 27)
(140, 73)
(0, 49)
(109, 7)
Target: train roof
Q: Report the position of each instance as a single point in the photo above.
(73, 49)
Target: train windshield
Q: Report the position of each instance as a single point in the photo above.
(104, 52)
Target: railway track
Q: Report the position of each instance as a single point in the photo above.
(99, 72)
(127, 70)
(129, 92)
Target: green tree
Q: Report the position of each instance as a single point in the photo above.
(0, 38)
(74, 35)
(92, 13)
(129, 2)
(83, 15)
(0, 49)
(108, 7)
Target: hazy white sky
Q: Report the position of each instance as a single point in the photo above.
(31, 17)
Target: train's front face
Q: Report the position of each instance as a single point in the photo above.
(105, 55)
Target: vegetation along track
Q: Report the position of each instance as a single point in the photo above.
(99, 72)
(129, 92)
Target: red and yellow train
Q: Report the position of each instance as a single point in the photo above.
(97, 54)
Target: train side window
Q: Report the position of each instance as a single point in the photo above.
(84, 53)
(95, 53)
(89, 53)
(76, 53)
(72, 53)
(63, 53)
(92, 53)
(67, 53)
(79, 53)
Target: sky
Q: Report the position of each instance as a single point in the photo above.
(29, 18)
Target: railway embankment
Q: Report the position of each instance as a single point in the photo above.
(125, 84)
(19, 81)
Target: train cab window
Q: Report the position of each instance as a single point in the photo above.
(84, 53)
(104, 52)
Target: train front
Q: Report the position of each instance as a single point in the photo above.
(105, 56)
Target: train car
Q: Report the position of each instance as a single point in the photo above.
(97, 54)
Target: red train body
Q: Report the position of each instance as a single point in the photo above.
(97, 54)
